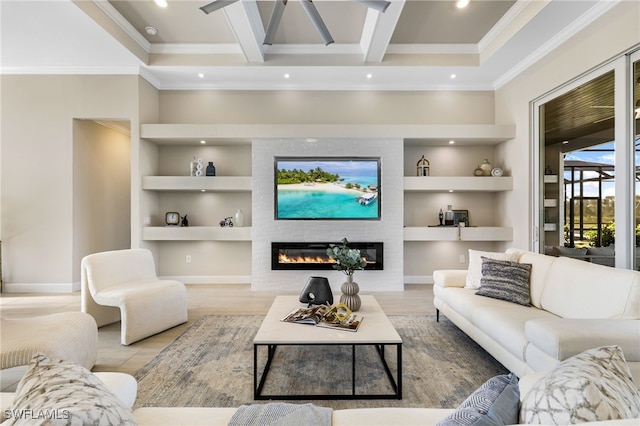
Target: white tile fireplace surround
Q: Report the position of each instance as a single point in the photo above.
(387, 230)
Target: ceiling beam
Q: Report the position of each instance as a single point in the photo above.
(244, 20)
(378, 29)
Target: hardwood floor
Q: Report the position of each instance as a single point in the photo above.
(218, 299)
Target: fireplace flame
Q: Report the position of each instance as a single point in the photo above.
(283, 258)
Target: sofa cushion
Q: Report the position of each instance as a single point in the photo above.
(594, 385)
(65, 393)
(540, 267)
(584, 290)
(474, 273)
(505, 323)
(496, 402)
(505, 280)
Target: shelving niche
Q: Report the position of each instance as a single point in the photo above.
(165, 151)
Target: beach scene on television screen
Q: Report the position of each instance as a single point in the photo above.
(327, 189)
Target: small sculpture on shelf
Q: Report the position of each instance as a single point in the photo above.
(185, 221)
(226, 222)
(422, 168)
(440, 218)
(486, 167)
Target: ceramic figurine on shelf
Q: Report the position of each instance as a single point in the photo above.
(440, 218)
(185, 221)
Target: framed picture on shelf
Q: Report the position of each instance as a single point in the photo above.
(460, 216)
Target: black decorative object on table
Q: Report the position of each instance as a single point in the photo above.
(317, 292)
(211, 169)
(185, 221)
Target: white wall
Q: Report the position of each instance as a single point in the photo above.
(387, 230)
(611, 35)
(37, 169)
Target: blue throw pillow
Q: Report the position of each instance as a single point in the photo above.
(496, 402)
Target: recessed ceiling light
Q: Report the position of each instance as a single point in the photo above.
(451, 190)
(203, 142)
(203, 190)
(161, 3)
(286, 75)
(312, 140)
(461, 4)
(201, 75)
(565, 142)
(452, 76)
(369, 76)
(151, 30)
(452, 142)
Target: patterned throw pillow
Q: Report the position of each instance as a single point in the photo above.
(496, 402)
(474, 273)
(505, 280)
(64, 393)
(595, 385)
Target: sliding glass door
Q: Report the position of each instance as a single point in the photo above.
(587, 163)
(635, 119)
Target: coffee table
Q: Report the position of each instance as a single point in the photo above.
(376, 330)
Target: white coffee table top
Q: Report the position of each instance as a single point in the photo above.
(375, 328)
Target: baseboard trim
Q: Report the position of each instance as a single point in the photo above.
(40, 287)
(210, 279)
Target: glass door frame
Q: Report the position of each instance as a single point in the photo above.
(624, 156)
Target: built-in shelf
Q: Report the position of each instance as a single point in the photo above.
(192, 183)
(420, 134)
(196, 233)
(453, 233)
(550, 178)
(458, 183)
(550, 227)
(550, 202)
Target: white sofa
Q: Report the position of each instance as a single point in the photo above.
(124, 387)
(576, 306)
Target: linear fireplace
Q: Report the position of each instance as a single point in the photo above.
(313, 255)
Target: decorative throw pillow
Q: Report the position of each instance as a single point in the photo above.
(595, 385)
(496, 402)
(474, 273)
(505, 280)
(64, 393)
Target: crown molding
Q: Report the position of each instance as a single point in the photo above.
(568, 32)
(430, 49)
(502, 24)
(71, 70)
(195, 49)
(125, 25)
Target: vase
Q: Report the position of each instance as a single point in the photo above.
(350, 296)
(239, 217)
(211, 169)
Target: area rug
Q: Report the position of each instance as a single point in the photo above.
(211, 365)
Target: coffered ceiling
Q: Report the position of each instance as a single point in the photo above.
(413, 45)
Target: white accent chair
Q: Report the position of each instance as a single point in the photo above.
(122, 285)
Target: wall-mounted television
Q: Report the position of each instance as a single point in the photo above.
(327, 188)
